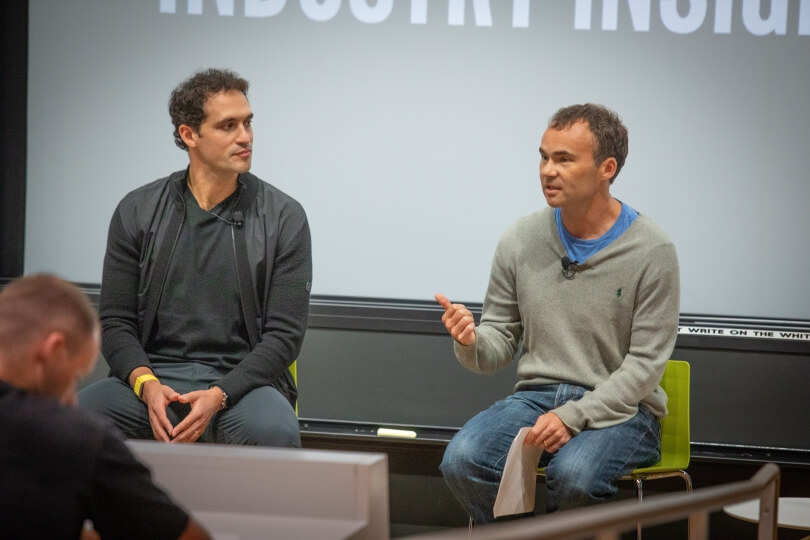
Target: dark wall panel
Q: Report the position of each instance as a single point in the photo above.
(391, 378)
(749, 398)
(746, 395)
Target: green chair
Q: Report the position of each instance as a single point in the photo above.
(294, 371)
(675, 442)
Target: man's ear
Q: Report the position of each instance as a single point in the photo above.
(608, 168)
(52, 349)
(188, 135)
(43, 357)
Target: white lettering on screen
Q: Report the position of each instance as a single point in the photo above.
(678, 17)
(692, 16)
(263, 8)
(366, 11)
(371, 15)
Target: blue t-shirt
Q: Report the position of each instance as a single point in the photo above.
(580, 250)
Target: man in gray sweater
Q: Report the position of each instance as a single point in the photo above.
(591, 287)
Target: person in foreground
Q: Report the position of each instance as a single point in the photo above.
(205, 288)
(71, 465)
(591, 287)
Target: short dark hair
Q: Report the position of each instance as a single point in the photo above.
(609, 133)
(187, 102)
(36, 305)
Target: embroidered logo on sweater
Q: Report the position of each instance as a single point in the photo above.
(619, 292)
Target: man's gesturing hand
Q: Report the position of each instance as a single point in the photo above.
(458, 320)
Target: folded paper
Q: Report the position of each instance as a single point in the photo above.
(519, 479)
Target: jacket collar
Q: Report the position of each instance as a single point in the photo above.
(248, 182)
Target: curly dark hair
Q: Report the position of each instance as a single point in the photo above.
(609, 134)
(186, 104)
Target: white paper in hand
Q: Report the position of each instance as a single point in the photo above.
(519, 479)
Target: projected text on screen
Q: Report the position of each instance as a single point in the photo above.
(672, 18)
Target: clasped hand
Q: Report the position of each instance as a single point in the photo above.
(204, 405)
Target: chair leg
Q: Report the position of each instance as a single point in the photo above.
(688, 481)
(470, 527)
(640, 495)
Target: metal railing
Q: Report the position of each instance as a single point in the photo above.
(608, 521)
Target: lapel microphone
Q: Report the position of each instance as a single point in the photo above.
(569, 267)
(237, 219)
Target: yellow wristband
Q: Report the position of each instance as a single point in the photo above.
(138, 388)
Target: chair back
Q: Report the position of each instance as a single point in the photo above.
(675, 442)
(294, 371)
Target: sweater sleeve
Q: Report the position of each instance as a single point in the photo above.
(118, 303)
(500, 330)
(653, 332)
(286, 312)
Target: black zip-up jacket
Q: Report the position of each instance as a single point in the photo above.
(273, 255)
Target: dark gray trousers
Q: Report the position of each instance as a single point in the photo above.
(262, 417)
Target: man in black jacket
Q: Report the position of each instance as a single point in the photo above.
(205, 288)
(60, 466)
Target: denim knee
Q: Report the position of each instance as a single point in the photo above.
(459, 457)
(450, 465)
(570, 485)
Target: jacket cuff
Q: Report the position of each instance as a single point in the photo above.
(126, 360)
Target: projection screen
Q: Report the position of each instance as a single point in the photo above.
(409, 129)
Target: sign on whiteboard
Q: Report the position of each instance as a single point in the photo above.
(743, 332)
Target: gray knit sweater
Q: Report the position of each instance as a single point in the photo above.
(612, 328)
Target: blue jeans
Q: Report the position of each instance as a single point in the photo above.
(262, 417)
(584, 471)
